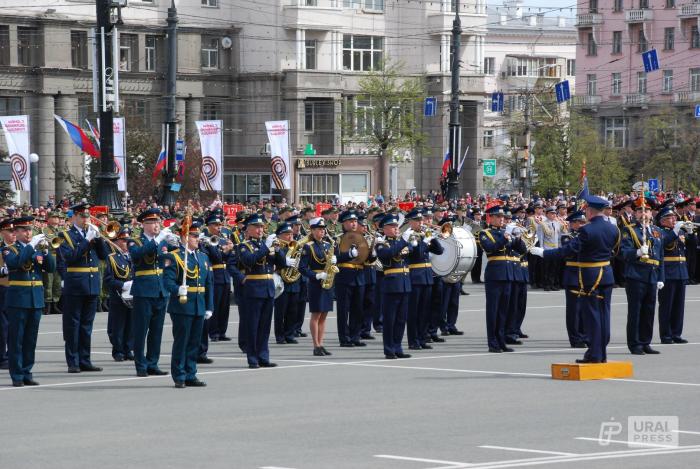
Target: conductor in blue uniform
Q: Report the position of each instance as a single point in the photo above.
(26, 260)
(191, 303)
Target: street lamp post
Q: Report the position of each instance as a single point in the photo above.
(34, 182)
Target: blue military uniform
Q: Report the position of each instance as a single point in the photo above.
(218, 324)
(518, 301)
(641, 278)
(502, 269)
(24, 303)
(303, 297)
(150, 298)
(672, 295)
(188, 318)
(313, 261)
(396, 287)
(82, 284)
(569, 280)
(119, 270)
(593, 248)
(237, 277)
(369, 302)
(258, 296)
(4, 282)
(286, 305)
(349, 293)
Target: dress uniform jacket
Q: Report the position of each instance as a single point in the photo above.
(25, 289)
(395, 284)
(200, 287)
(80, 259)
(219, 260)
(257, 270)
(396, 271)
(503, 255)
(675, 261)
(418, 260)
(313, 262)
(148, 267)
(649, 270)
(672, 295)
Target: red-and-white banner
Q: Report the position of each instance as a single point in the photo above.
(278, 135)
(16, 130)
(211, 134)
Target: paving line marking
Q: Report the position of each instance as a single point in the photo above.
(488, 372)
(437, 461)
(275, 467)
(686, 431)
(527, 450)
(625, 442)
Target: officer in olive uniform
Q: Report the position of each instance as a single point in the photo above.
(52, 281)
(257, 261)
(642, 247)
(396, 286)
(191, 303)
(148, 290)
(26, 260)
(672, 295)
(270, 224)
(119, 276)
(80, 253)
(333, 228)
(349, 289)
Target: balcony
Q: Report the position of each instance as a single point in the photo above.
(637, 100)
(587, 20)
(639, 16)
(320, 15)
(686, 97)
(471, 24)
(689, 10)
(587, 102)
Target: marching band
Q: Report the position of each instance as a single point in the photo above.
(392, 272)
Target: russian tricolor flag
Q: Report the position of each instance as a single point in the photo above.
(446, 164)
(160, 165)
(79, 137)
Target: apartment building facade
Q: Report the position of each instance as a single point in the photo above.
(612, 84)
(247, 63)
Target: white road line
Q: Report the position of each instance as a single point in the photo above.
(686, 431)
(625, 442)
(487, 372)
(275, 467)
(526, 450)
(437, 461)
(673, 383)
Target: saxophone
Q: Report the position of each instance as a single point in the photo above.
(291, 274)
(330, 268)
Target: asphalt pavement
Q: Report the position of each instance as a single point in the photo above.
(456, 406)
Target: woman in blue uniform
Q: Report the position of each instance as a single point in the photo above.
(313, 264)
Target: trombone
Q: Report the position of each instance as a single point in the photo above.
(111, 229)
(53, 239)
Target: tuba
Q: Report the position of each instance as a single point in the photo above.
(291, 274)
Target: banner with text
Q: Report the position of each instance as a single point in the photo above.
(278, 135)
(16, 130)
(120, 151)
(211, 134)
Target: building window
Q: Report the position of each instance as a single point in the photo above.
(489, 65)
(362, 53)
(531, 67)
(592, 6)
(642, 82)
(319, 187)
(137, 112)
(617, 42)
(126, 52)
(211, 111)
(694, 38)
(669, 38)
(210, 3)
(616, 132)
(695, 79)
(642, 44)
(617, 5)
(670, 3)
(10, 106)
(616, 84)
(488, 138)
(150, 54)
(4, 39)
(248, 188)
(668, 81)
(309, 117)
(643, 4)
(310, 48)
(592, 46)
(210, 53)
(27, 45)
(377, 5)
(571, 67)
(79, 49)
(591, 84)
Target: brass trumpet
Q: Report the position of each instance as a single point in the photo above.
(54, 241)
(111, 229)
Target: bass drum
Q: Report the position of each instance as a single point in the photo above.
(279, 285)
(458, 257)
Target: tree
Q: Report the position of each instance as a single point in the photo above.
(383, 115)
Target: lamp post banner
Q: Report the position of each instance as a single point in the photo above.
(210, 142)
(16, 130)
(120, 151)
(278, 135)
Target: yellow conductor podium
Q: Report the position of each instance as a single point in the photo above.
(588, 371)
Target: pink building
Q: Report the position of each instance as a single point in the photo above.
(610, 78)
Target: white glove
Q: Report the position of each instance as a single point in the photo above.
(535, 251)
(414, 243)
(127, 285)
(61, 283)
(427, 239)
(643, 251)
(678, 227)
(353, 252)
(291, 262)
(208, 314)
(509, 228)
(659, 285)
(172, 239)
(379, 240)
(182, 290)
(321, 276)
(407, 234)
(269, 240)
(92, 233)
(334, 260)
(37, 239)
(374, 252)
(3, 271)
(161, 236)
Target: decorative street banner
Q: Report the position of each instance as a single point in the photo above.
(211, 143)
(278, 135)
(16, 130)
(120, 151)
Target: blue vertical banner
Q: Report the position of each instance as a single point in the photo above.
(562, 91)
(430, 107)
(496, 101)
(651, 60)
